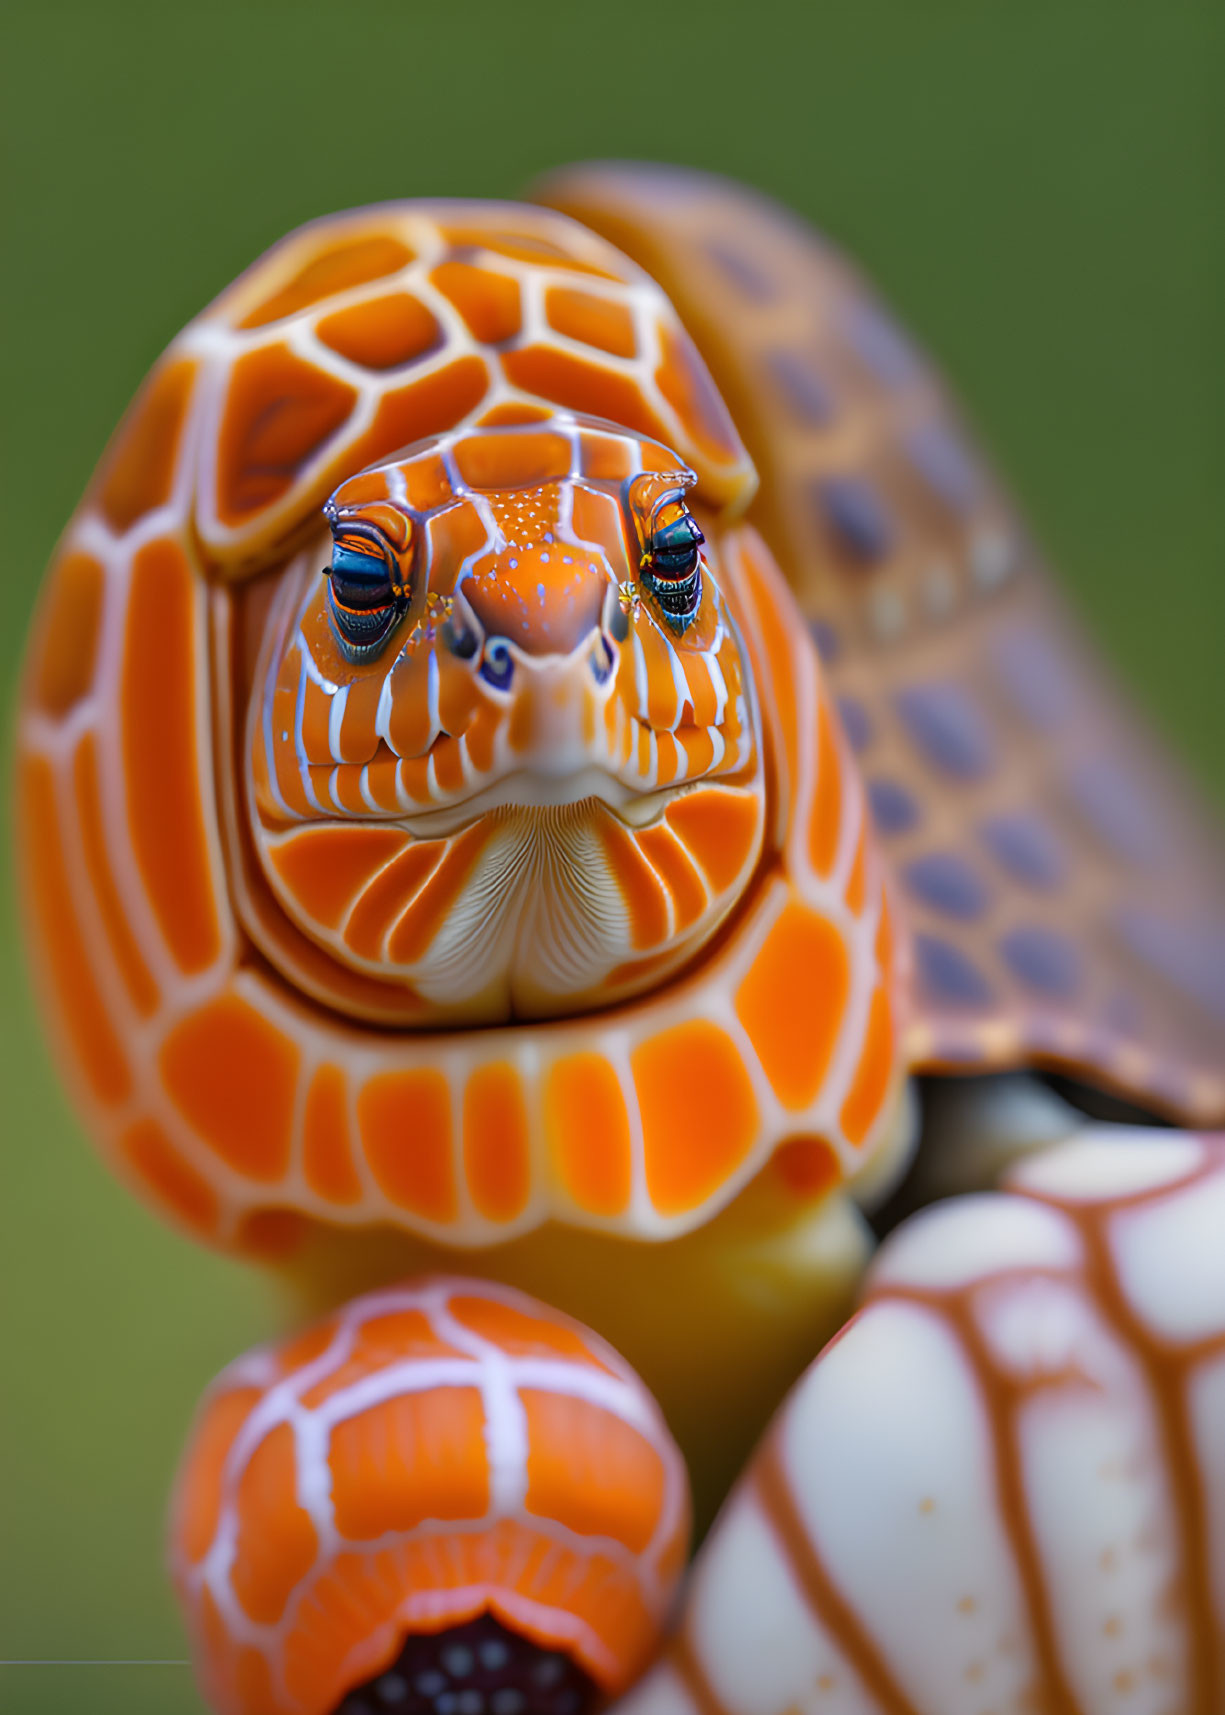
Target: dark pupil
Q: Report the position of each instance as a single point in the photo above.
(674, 549)
(362, 599)
(672, 572)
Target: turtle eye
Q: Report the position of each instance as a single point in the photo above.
(365, 602)
(671, 567)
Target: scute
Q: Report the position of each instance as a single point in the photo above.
(988, 735)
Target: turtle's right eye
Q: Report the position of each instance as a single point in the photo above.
(365, 602)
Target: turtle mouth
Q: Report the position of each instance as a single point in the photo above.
(528, 789)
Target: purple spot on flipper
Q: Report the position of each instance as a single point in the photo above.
(949, 728)
(1034, 676)
(1111, 805)
(851, 508)
(855, 723)
(743, 270)
(882, 346)
(1026, 847)
(806, 394)
(1043, 960)
(1190, 956)
(944, 465)
(894, 810)
(947, 975)
(946, 882)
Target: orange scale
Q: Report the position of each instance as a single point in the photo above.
(245, 1117)
(336, 269)
(458, 697)
(513, 461)
(699, 1113)
(84, 1016)
(605, 458)
(436, 402)
(421, 922)
(511, 414)
(384, 898)
(448, 766)
(685, 383)
(382, 333)
(773, 648)
(327, 1147)
(588, 1132)
(410, 729)
(358, 738)
(496, 1141)
(175, 1185)
(65, 649)
(884, 935)
(856, 886)
(792, 1002)
(482, 735)
(520, 1334)
(200, 1483)
(303, 1349)
(280, 412)
(667, 857)
(591, 1471)
(667, 758)
(316, 725)
(825, 823)
(383, 780)
(405, 1123)
(699, 749)
(702, 699)
(276, 1544)
(661, 686)
(874, 1073)
(488, 301)
(397, 1336)
(591, 320)
(427, 482)
(595, 517)
(644, 894)
(128, 957)
(720, 827)
(137, 472)
(417, 1456)
(167, 782)
(345, 790)
(581, 385)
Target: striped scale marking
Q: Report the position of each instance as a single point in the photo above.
(430, 1452)
(1002, 1487)
(518, 846)
(231, 1091)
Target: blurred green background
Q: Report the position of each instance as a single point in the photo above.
(1036, 185)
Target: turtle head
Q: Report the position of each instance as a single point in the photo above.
(507, 753)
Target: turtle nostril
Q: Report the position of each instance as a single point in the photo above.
(497, 665)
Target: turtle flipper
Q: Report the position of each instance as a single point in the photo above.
(1066, 892)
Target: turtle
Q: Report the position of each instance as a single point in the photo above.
(544, 740)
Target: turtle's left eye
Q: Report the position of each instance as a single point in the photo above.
(365, 602)
(671, 567)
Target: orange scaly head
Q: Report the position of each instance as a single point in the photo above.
(466, 742)
(432, 1453)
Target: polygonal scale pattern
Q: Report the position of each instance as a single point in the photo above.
(430, 1453)
(1066, 890)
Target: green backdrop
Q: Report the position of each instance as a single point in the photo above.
(1036, 185)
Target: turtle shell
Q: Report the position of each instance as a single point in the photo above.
(236, 1063)
(1065, 887)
